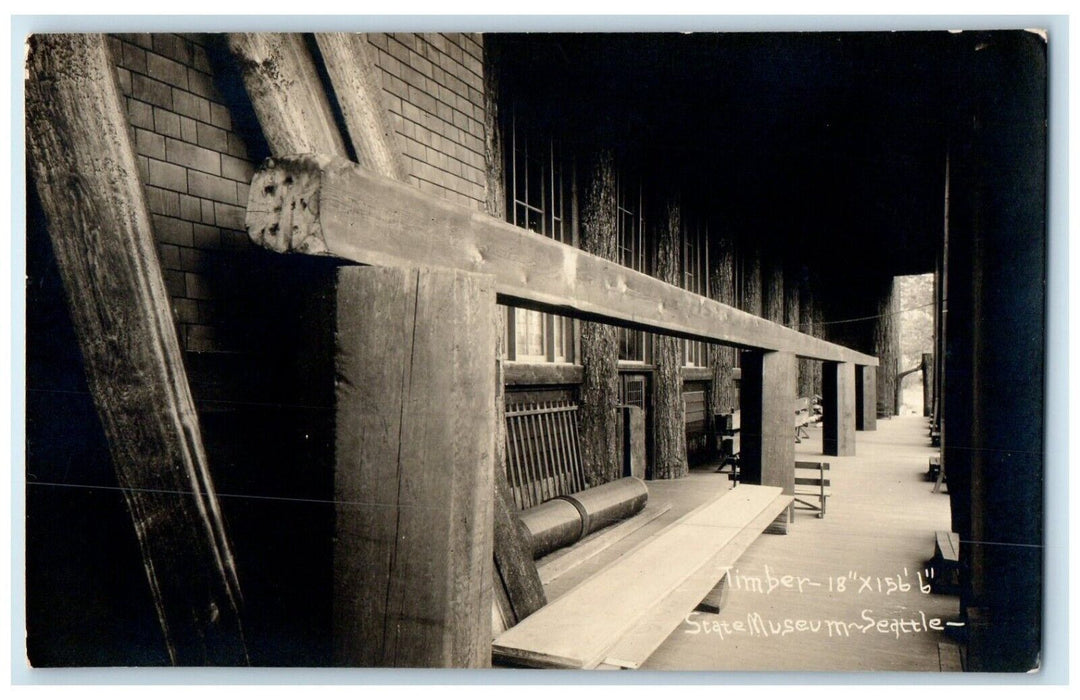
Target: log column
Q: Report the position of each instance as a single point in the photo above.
(838, 407)
(772, 289)
(84, 169)
(751, 281)
(887, 348)
(414, 466)
(767, 396)
(806, 325)
(723, 398)
(927, 383)
(669, 411)
(865, 397)
(599, 343)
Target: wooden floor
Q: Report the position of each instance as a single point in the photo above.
(874, 541)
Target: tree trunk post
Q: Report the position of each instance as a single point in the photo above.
(599, 342)
(286, 93)
(751, 282)
(927, 383)
(723, 397)
(887, 348)
(772, 289)
(85, 172)
(669, 411)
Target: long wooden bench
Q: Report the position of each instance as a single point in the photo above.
(811, 483)
(936, 472)
(944, 566)
(620, 615)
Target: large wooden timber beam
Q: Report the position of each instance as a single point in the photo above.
(359, 94)
(86, 176)
(328, 206)
(286, 93)
(415, 457)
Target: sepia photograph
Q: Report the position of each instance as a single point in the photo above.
(712, 351)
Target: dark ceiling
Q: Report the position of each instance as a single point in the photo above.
(833, 142)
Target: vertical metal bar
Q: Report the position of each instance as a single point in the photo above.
(530, 456)
(560, 449)
(579, 474)
(529, 484)
(570, 447)
(545, 457)
(558, 467)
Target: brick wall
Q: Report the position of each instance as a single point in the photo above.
(196, 170)
(433, 86)
(197, 167)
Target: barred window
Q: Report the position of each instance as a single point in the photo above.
(630, 233)
(695, 278)
(540, 193)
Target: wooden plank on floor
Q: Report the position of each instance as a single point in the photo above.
(578, 629)
(652, 629)
(948, 545)
(588, 548)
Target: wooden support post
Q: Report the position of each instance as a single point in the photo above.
(722, 397)
(807, 368)
(818, 331)
(927, 383)
(768, 449)
(772, 288)
(669, 411)
(599, 342)
(287, 94)
(994, 422)
(865, 398)
(887, 348)
(87, 179)
(632, 440)
(838, 407)
(413, 479)
(751, 281)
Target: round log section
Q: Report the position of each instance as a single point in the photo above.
(565, 520)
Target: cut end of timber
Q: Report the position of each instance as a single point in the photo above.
(283, 204)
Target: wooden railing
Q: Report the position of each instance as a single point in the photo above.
(327, 206)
